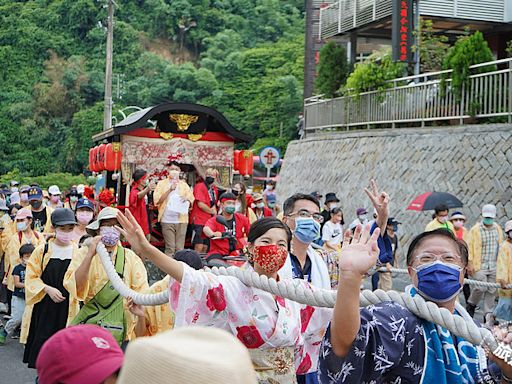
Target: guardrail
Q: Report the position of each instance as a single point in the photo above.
(416, 100)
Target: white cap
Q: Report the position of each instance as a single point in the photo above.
(80, 188)
(508, 226)
(54, 190)
(489, 211)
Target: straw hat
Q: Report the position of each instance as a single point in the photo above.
(189, 355)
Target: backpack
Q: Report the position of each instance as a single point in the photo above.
(106, 308)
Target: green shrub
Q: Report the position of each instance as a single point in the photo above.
(63, 180)
(332, 69)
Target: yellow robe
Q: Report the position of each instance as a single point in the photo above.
(34, 287)
(504, 267)
(183, 190)
(159, 318)
(12, 253)
(134, 276)
(475, 245)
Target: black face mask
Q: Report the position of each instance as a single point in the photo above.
(236, 193)
(209, 180)
(36, 204)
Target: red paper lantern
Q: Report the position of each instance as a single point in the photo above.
(236, 160)
(100, 158)
(245, 162)
(94, 163)
(91, 159)
(113, 157)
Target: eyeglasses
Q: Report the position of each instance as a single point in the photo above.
(304, 214)
(427, 257)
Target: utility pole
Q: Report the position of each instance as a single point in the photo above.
(107, 115)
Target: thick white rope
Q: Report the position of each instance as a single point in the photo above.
(295, 291)
(476, 283)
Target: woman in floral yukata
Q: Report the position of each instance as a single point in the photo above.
(282, 336)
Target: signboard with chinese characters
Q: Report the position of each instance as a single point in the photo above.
(403, 27)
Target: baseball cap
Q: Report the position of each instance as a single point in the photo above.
(35, 193)
(85, 203)
(508, 226)
(489, 211)
(393, 221)
(24, 213)
(317, 195)
(105, 214)
(54, 190)
(63, 216)
(188, 355)
(82, 354)
(361, 211)
(189, 257)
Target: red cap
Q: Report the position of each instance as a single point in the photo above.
(83, 354)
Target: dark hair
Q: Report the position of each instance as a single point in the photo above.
(242, 196)
(26, 249)
(173, 162)
(13, 206)
(262, 226)
(289, 204)
(189, 257)
(418, 240)
(335, 211)
(440, 208)
(139, 174)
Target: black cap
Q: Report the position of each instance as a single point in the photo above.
(330, 197)
(317, 195)
(63, 216)
(189, 257)
(392, 221)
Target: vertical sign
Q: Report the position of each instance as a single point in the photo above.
(403, 27)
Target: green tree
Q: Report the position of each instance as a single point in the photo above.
(432, 47)
(467, 51)
(332, 69)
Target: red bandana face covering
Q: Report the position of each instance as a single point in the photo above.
(270, 258)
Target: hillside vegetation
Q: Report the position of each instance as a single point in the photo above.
(243, 57)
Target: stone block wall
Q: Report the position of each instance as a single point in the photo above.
(472, 162)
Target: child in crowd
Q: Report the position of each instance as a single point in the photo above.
(18, 295)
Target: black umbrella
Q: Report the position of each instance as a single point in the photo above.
(428, 201)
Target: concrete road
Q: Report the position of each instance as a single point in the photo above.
(13, 369)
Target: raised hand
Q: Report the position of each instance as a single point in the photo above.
(136, 309)
(380, 200)
(359, 254)
(132, 231)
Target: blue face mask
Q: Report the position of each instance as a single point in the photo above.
(307, 230)
(438, 281)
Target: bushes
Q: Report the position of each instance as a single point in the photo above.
(467, 51)
(374, 74)
(63, 180)
(332, 69)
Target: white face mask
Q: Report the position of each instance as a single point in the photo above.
(22, 226)
(362, 217)
(442, 219)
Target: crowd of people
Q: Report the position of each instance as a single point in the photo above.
(56, 293)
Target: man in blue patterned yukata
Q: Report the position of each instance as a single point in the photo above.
(386, 343)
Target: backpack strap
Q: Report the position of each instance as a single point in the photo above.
(120, 261)
(20, 235)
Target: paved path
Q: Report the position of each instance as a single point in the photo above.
(13, 370)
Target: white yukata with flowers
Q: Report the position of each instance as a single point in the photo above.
(282, 336)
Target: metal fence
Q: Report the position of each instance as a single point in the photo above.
(417, 100)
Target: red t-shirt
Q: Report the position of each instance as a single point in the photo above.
(221, 247)
(198, 216)
(138, 209)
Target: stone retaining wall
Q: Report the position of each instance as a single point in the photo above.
(472, 162)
